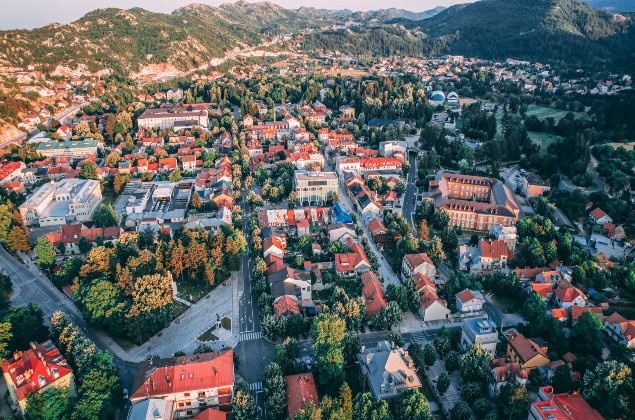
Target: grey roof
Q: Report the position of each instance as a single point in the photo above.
(388, 370)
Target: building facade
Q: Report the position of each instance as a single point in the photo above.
(314, 187)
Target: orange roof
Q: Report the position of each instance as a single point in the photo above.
(300, 391)
(598, 213)
(415, 260)
(576, 311)
(211, 414)
(494, 249)
(373, 294)
(544, 290)
(286, 305)
(569, 294)
(184, 373)
(422, 282)
(560, 313)
(525, 348)
(465, 296)
(615, 318)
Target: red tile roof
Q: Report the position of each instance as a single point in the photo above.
(577, 311)
(286, 305)
(466, 295)
(184, 373)
(569, 294)
(210, 414)
(373, 294)
(560, 314)
(525, 348)
(37, 367)
(415, 260)
(494, 249)
(544, 290)
(598, 213)
(300, 391)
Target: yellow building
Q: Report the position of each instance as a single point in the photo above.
(529, 353)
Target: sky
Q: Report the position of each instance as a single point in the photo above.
(28, 14)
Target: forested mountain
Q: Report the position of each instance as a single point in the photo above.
(613, 5)
(129, 39)
(384, 15)
(555, 30)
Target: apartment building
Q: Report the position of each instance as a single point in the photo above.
(56, 203)
(313, 188)
(74, 148)
(177, 117)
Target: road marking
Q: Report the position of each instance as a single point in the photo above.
(256, 386)
(248, 336)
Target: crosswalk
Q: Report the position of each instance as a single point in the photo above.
(256, 386)
(22, 281)
(419, 337)
(248, 336)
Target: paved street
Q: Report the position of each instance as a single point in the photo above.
(409, 201)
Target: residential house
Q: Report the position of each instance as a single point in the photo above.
(417, 263)
(553, 406)
(599, 217)
(289, 281)
(352, 263)
(481, 331)
(341, 232)
(530, 353)
(387, 370)
(469, 301)
(152, 408)
(577, 311)
(300, 392)
(504, 372)
(568, 297)
(433, 308)
(620, 330)
(489, 255)
(373, 294)
(286, 305)
(273, 245)
(506, 234)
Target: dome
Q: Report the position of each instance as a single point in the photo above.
(437, 96)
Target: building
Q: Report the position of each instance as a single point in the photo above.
(373, 294)
(432, 307)
(387, 370)
(177, 117)
(194, 383)
(79, 149)
(503, 372)
(506, 234)
(480, 331)
(352, 263)
(314, 188)
(489, 255)
(57, 203)
(152, 408)
(417, 264)
(599, 217)
(388, 148)
(561, 406)
(474, 202)
(469, 301)
(530, 353)
(293, 283)
(534, 186)
(38, 368)
(620, 330)
(300, 392)
(568, 297)
(11, 171)
(437, 98)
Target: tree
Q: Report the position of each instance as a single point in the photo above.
(423, 232)
(329, 331)
(395, 338)
(88, 171)
(146, 238)
(429, 355)
(175, 176)
(84, 245)
(452, 361)
(196, 202)
(104, 216)
(244, 405)
(435, 252)
(561, 381)
(398, 294)
(481, 407)
(411, 405)
(460, 411)
(443, 383)
(49, 404)
(388, 316)
(44, 253)
(441, 219)
(367, 407)
(588, 335)
(608, 388)
(274, 388)
(352, 347)
(18, 238)
(5, 339)
(472, 391)
(112, 159)
(513, 399)
(474, 364)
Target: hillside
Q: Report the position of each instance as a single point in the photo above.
(127, 40)
(616, 6)
(554, 30)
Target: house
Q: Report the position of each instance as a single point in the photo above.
(530, 353)
(481, 331)
(387, 370)
(194, 382)
(273, 245)
(209, 414)
(300, 392)
(341, 232)
(561, 406)
(620, 330)
(432, 307)
(561, 314)
(599, 217)
(373, 294)
(568, 297)
(417, 263)
(289, 281)
(506, 234)
(545, 291)
(34, 371)
(376, 228)
(503, 372)
(340, 215)
(469, 301)
(286, 305)
(152, 408)
(577, 311)
(352, 263)
(490, 255)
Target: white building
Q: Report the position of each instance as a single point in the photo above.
(469, 301)
(56, 203)
(176, 117)
(480, 331)
(314, 187)
(388, 148)
(76, 149)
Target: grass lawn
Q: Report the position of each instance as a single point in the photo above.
(543, 112)
(507, 304)
(207, 335)
(178, 309)
(352, 378)
(124, 343)
(191, 290)
(543, 139)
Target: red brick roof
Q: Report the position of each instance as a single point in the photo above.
(38, 367)
(184, 373)
(560, 313)
(373, 294)
(544, 290)
(300, 391)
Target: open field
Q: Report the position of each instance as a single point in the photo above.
(627, 146)
(544, 112)
(543, 139)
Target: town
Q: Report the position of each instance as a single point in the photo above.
(313, 237)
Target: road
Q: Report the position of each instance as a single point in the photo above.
(409, 200)
(31, 286)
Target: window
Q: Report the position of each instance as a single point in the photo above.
(187, 394)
